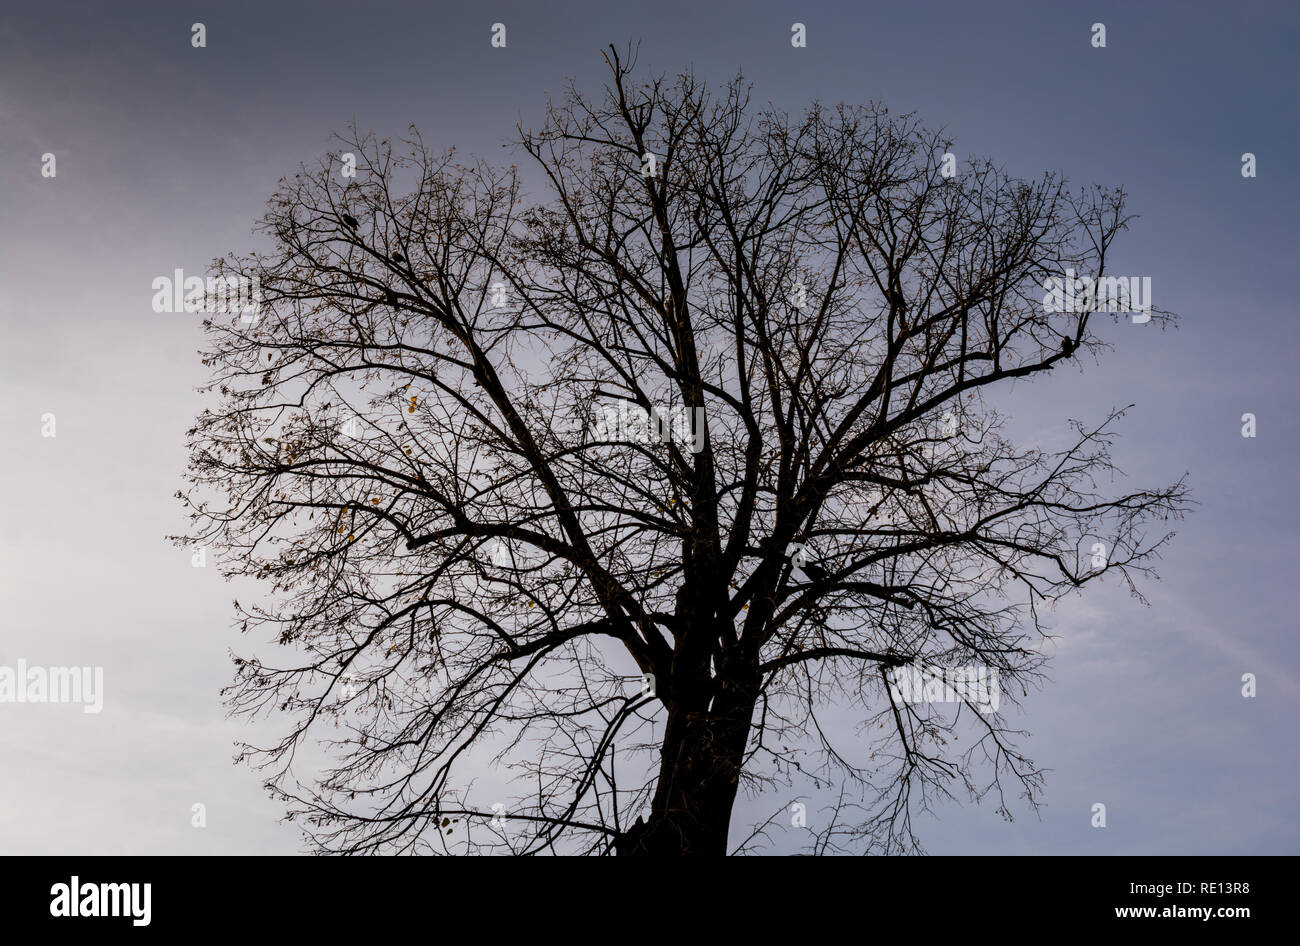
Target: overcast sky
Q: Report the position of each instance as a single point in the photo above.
(166, 155)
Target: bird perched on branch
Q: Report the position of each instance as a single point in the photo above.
(350, 221)
(815, 571)
(1067, 346)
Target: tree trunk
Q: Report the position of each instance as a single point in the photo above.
(703, 752)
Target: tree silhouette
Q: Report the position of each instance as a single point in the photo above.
(610, 493)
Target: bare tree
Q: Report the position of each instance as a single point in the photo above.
(616, 490)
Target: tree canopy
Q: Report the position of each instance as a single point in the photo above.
(610, 492)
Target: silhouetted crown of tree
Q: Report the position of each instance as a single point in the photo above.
(474, 574)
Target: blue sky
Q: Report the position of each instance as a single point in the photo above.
(166, 155)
